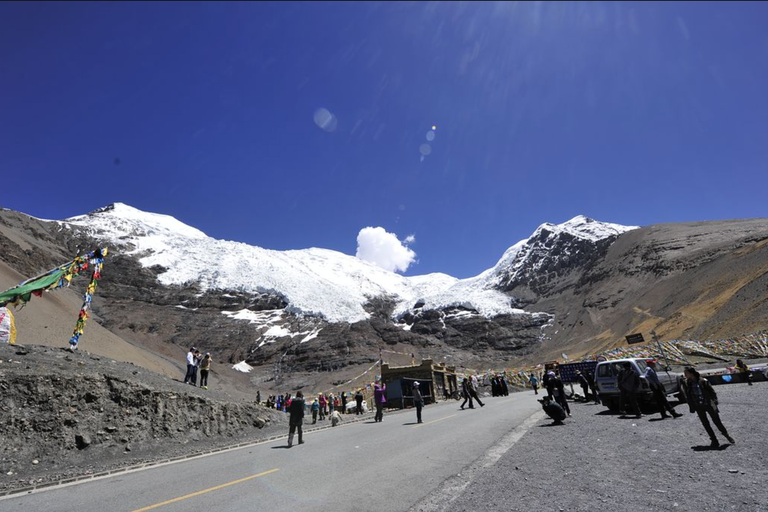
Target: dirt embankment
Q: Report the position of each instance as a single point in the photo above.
(64, 414)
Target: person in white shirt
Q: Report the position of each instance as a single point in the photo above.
(190, 366)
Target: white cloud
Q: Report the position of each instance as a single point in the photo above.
(383, 249)
(410, 239)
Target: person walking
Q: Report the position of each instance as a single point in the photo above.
(503, 384)
(702, 400)
(343, 402)
(315, 407)
(379, 398)
(629, 384)
(418, 401)
(659, 393)
(744, 369)
(190, 365)
(465, 385)
(296, 420)
(473, 387)
(323, 406)
(330, 403)
(205, 368)
(534, 384)
(359, 402)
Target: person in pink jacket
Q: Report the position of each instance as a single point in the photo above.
(323, 406)
(380, 398)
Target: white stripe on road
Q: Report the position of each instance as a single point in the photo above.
(452, 488)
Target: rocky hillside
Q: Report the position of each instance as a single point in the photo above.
(573, 287)
(61, 411)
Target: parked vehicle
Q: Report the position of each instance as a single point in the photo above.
(607, 374)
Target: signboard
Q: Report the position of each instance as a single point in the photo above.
(635, 338)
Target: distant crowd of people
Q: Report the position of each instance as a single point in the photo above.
(196, 361)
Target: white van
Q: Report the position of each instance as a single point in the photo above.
(607, 374)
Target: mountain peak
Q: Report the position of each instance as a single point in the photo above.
(117, 217)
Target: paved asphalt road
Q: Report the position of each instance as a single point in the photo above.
(363, 466)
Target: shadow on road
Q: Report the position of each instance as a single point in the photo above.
(606, 412)
(281, 447)
(707, 448)
(412, 423)
(552, 425)
(657, 419)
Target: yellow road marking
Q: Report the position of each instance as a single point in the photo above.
(204, 491)
(434, 421)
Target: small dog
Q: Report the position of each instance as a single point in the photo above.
(335, 418)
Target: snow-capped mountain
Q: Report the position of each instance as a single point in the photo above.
(319, 282)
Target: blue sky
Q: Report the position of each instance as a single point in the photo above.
(630, 113)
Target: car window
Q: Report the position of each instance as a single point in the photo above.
(641, 366)
(604, 370)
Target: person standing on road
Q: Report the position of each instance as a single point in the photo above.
(465, 385)
(702, 400)
(343, 402)
(659, 393)
(473, 387)
(534, 384)
(744, 369)
(315, 407)
(558, 389)
(323, 406)
(629, 384)
(379, 398)
(258, 396)
(190, 365)
(584, 383)
(504, 387)
(205, 368)
(297, 418)
(418, 401)
(359, 402)
(593, 387)
(549, 384)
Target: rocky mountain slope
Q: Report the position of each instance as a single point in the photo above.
(572, 288)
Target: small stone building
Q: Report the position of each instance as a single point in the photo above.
(436, 380)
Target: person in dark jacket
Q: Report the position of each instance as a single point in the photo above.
(418, 401)
(553, 410)
(343, 402)
(659, 393)
(359, 402)
(466, 394)
(593, 387)
(504, 387)
(546, 381)
(379, 398)
(296, 420)
(558, 389)
(629, 385)
(702, 400)
(744, 369)
(584, 383)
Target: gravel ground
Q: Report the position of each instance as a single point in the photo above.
(598, 461)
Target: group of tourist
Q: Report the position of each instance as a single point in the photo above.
(196, 361)
(700, 395)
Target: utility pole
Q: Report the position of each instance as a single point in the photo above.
(664, 354)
